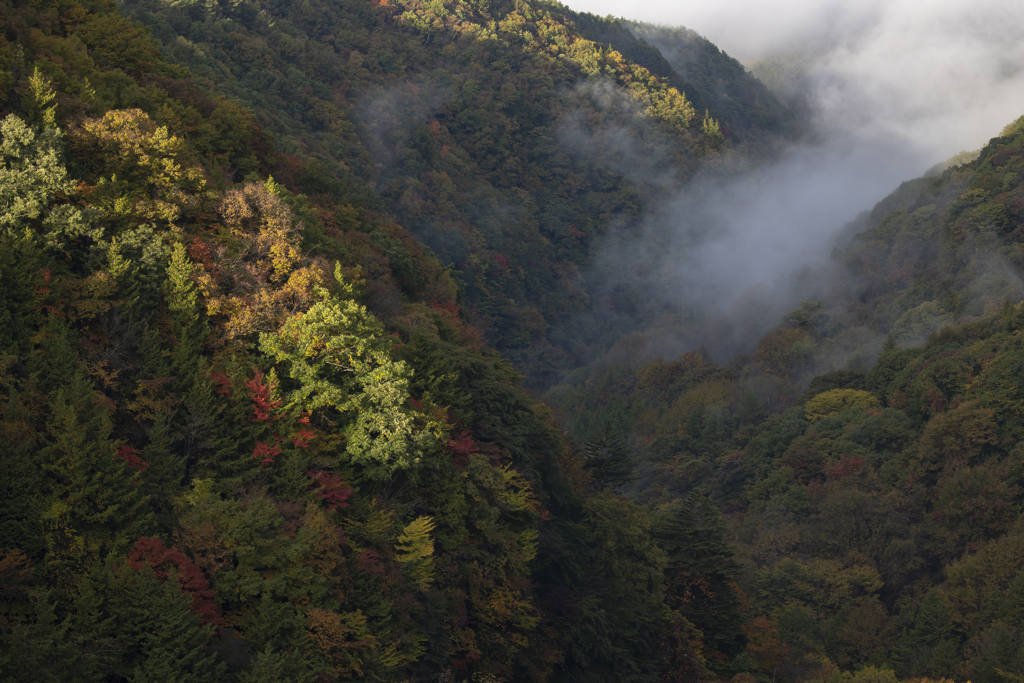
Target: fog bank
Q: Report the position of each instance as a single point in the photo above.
(945, 75)
(892, 88)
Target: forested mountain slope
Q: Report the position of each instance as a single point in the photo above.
(508, 136)
(254, 264)
(249, 429)
(877, 514)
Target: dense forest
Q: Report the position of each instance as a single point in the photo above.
(306, 374)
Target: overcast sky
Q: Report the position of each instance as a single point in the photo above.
(945, 75)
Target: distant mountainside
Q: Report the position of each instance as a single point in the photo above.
(745, 106)
(877, 511)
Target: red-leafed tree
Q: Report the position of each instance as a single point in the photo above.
(460, 448)
(263, 401)
(265, 453)
(332, 490)
(167, 562)
(131, 458)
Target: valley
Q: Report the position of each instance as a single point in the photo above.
(410, 340)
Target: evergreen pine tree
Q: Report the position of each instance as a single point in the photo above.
(607, 459)
(95, 504)
(165, 473)
(929, 648)
(187, 320)
(141, 628)
(22, 491)
(750, 410)
(613, 635)
(40, 650)
(20, 272)
(56, 357)
(276, 631)
(700, 573)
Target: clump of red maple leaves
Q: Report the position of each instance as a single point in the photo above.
(167, 562)
(265, 453)
(261, 393)
(332, 490)
(131, 458)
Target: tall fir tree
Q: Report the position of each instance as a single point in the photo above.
(130, 624)
(930, 648)
(607, 459)
(95, 504)
(699, 575)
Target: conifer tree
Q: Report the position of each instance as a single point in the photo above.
(131, 624)
(276, 631)
(750, 411)
(415, 550)
(930, 648)
(56, 356)
(95, 504)
(21, 278)
(188, 322)
(22, 493)
(40, 648)
(164, 474)
(607, 459)
(613, 636)
(700, 572)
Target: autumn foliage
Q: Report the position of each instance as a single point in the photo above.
(169, 563)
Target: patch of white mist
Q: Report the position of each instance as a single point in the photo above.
(892, 88)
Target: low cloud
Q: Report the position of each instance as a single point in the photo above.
(892, 88)
(390, 115)
(945, 75)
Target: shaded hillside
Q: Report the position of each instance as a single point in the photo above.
(747, 109)
(876, 508)
(253, 429)
(509, 137)
(252, 434)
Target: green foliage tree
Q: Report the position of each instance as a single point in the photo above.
(342, 362)
(32, 174)
(700, 571)
(608, 461)
(256, 557)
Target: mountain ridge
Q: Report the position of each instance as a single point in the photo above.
(261, 385)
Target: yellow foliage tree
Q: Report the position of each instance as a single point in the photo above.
(271, 279)
(265, 227)
(145, 172)
(711, 128)
(339, 638)
(837, 400)
(415, 550)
